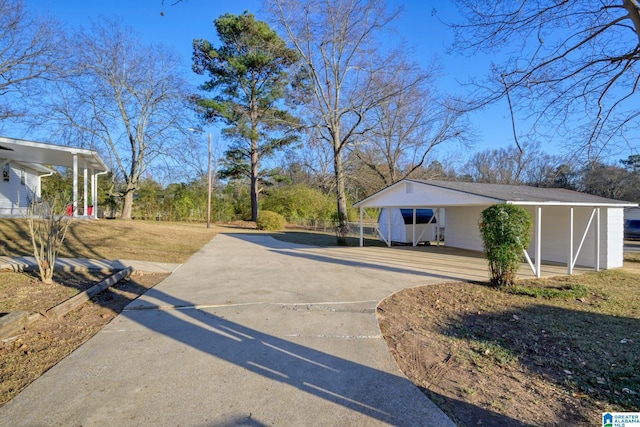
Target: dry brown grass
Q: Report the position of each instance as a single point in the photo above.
(114, 239)
(24, 357)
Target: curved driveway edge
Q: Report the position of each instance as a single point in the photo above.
(249, 331)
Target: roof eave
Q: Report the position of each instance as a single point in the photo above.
(581, 204)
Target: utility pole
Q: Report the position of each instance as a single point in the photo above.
(209, 187)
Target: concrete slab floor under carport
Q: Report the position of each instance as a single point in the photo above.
(441, 262)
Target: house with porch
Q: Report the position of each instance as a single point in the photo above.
(25, 163)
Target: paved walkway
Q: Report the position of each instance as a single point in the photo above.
(74, 264)
(249, 331)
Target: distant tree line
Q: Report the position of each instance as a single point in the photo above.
(321, 106)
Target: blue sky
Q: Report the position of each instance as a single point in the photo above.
(191, 19)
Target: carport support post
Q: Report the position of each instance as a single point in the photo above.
(361, 228)
(570, 245)
(389, 227)
(438, 226)
(597, 251)
(538, 231)
(413, 229)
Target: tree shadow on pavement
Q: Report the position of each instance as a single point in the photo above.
(377, 394)
(435, 269)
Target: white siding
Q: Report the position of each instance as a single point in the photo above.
(462, 229)
(556, 226)
(614, 232)
(409, 194)
(14, 196)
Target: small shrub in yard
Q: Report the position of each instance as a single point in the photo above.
(506, 233)
(272, 221)
(48, 227)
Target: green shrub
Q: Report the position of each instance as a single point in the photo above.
(298, 202)
(272, 221)
(506, 233)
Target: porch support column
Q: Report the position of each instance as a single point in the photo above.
(94, 192)
(570, 244)
(75, 185)
(84, 189)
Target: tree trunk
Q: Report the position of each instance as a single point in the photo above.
(254, 181)
(343, 218)
(46, 275)
(127, 206)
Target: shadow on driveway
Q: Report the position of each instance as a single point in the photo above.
(360, 388)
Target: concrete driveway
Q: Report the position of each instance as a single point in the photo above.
(250, 331)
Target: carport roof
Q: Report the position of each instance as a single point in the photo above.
(454, 193)
(20, 150)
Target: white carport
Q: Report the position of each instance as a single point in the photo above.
(38, 153)
(571, 228)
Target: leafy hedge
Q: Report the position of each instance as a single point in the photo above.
(506, 233)
(271, 221)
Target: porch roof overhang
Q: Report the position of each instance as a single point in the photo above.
(41, 169)
(23, 151)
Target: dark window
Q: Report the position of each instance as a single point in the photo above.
(423, 216)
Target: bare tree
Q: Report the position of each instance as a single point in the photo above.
(339, 44)
(125, 97)
(610, 181)
(509, 165)
(409, 126)
(28, 51)
(570, 68)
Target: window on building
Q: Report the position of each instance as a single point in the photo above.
(6, 169)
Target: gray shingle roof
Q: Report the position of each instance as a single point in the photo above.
(523, 193)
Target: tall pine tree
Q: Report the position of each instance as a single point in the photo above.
(249, 81)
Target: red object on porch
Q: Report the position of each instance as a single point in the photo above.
(69, 210)
(89, 210)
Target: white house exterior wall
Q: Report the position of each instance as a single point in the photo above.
(12, 189)
(462, 229)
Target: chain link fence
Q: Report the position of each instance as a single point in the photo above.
(370, 229)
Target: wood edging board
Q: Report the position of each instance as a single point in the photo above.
(14, 322)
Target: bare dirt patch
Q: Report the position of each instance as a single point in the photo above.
(552, 352)
(28, 355)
